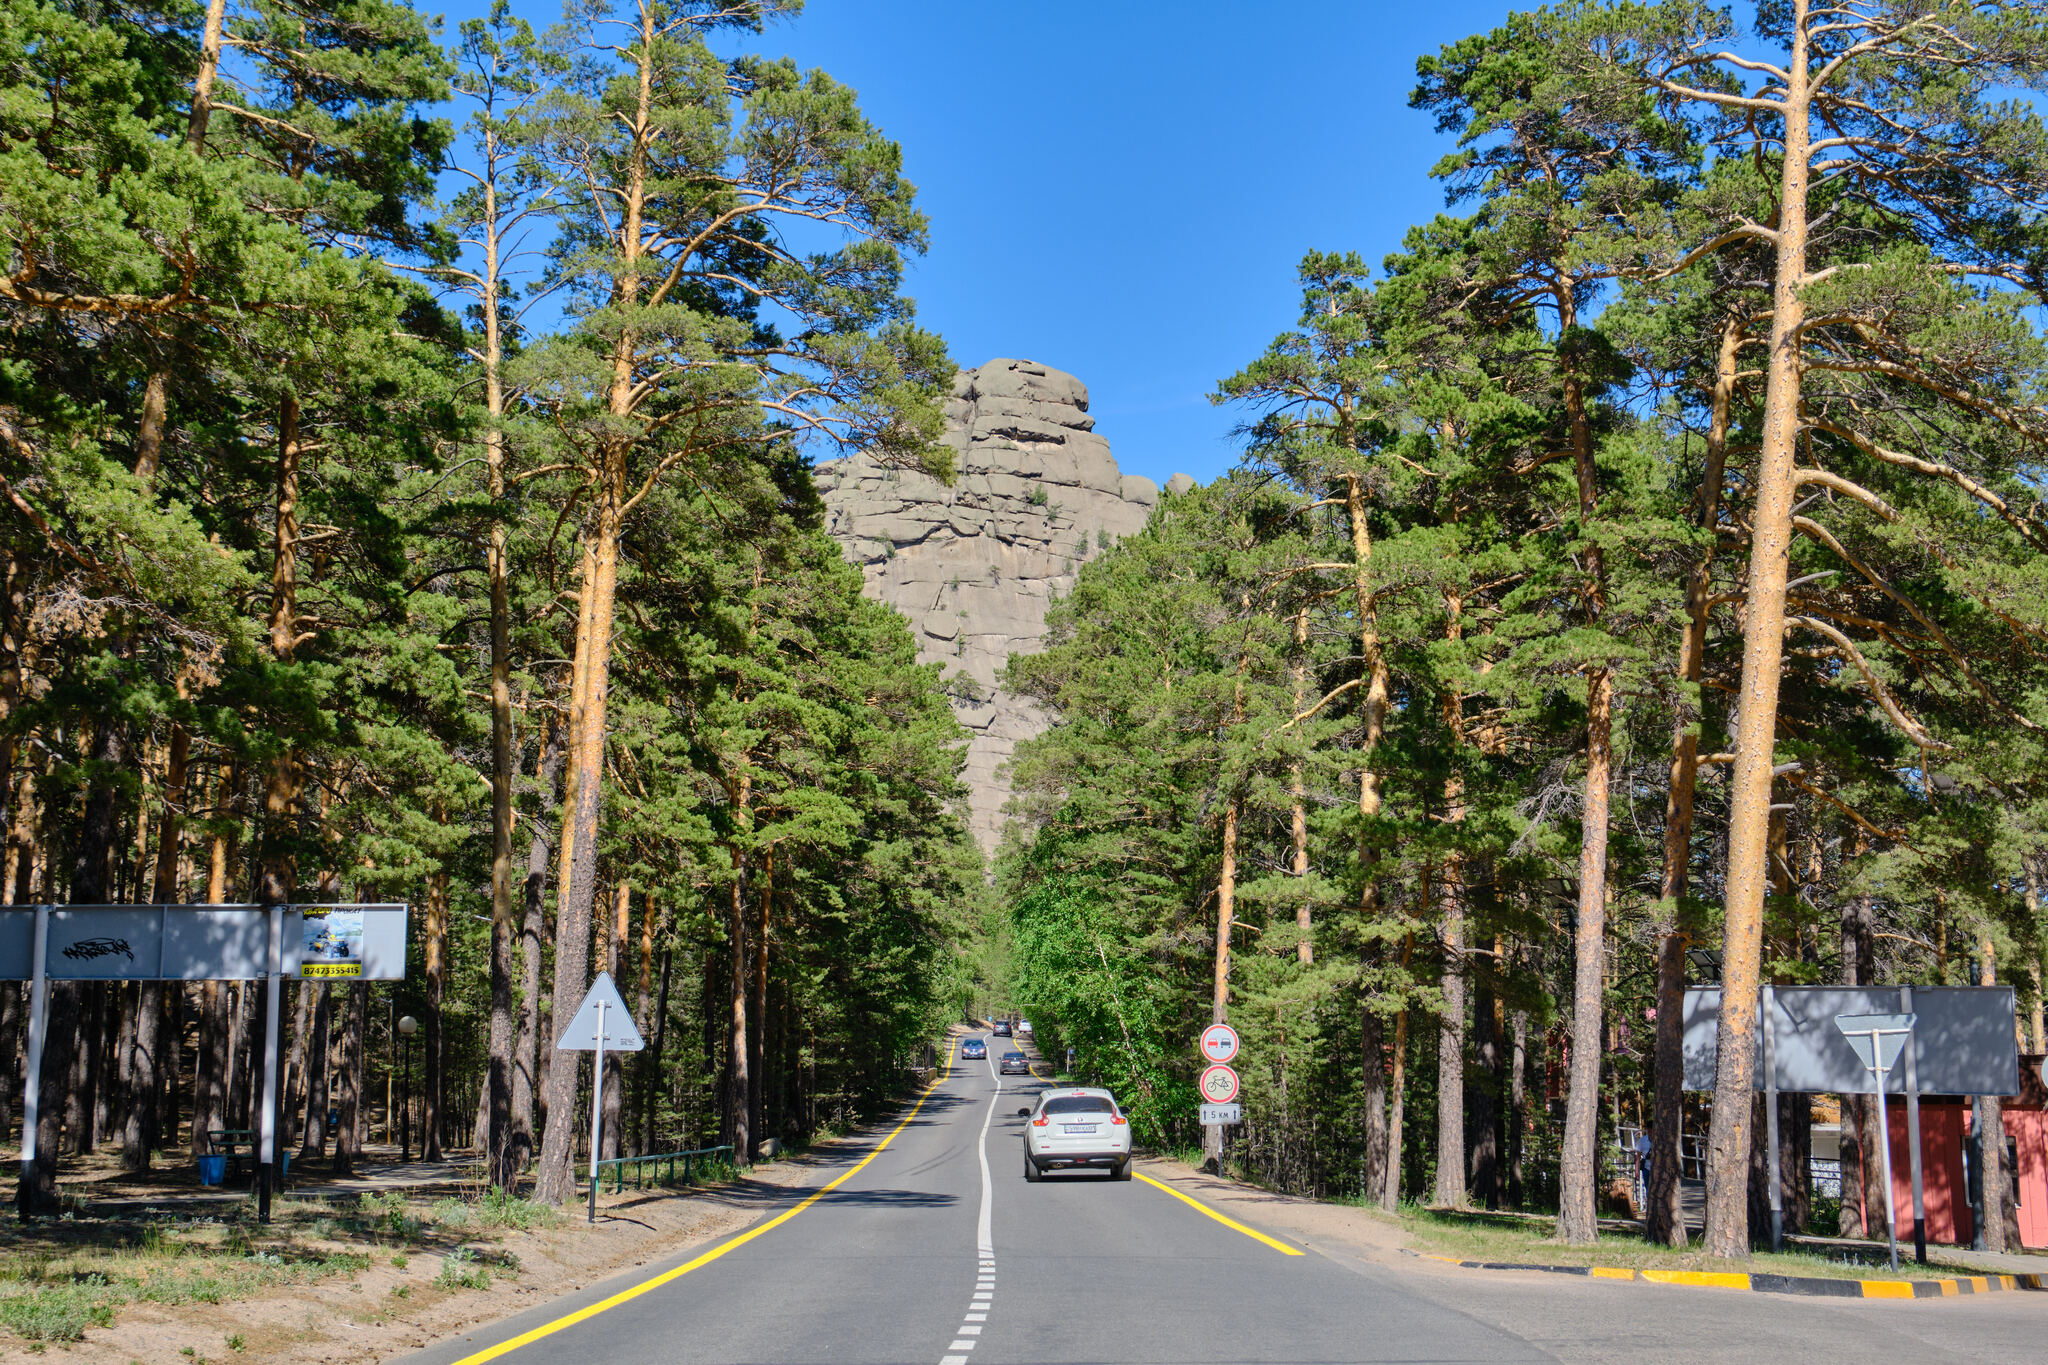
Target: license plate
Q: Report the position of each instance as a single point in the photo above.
(1077, 1127)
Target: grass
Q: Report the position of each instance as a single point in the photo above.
(60, 1278)
(1531, 1239)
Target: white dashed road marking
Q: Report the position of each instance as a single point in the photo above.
(984, 1241)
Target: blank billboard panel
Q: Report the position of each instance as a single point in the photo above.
(1963, 1043)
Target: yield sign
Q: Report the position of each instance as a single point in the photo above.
(1877, 1038)
(602, 1005)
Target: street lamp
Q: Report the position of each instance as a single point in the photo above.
(407, 1026)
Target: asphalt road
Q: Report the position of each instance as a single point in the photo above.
(933, 1250)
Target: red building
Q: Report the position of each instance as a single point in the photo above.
(1944, 1125)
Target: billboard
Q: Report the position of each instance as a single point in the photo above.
(204, 942)
(1963, 1043)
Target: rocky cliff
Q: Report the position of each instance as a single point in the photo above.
(973, 566)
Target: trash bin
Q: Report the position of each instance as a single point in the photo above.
(213, 1169)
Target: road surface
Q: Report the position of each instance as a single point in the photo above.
(927, 1247)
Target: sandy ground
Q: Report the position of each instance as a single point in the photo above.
(387, 1310)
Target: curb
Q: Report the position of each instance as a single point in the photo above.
(1810, 1286)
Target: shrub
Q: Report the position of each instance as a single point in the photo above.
(59, 1313)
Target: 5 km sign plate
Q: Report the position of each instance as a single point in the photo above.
(1219, 1043)
(1218, 1084)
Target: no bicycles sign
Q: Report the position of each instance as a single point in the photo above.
(1218, 1084)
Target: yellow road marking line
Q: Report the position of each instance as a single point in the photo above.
(548, 1329)
(1705, 1279)
(1608, 1272)
(1256, 1236)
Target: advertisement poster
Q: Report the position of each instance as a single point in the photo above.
(333, 943)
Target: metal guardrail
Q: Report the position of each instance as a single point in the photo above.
(640, 1165)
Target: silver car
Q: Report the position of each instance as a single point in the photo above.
(1077, 1128)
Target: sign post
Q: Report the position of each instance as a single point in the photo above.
(602, 1024)
(38, 1031)
(1878, 1040)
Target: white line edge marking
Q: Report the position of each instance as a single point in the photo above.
(984, 1228)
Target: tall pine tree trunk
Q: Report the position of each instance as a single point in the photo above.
(318, 1070)
(433, 1099)
(1665, 1217)
(532, 932)
(1763, 652)
(1579, 1161)
(348, 1134)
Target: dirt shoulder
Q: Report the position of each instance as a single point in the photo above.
(339, 1281)
(1371, 1234)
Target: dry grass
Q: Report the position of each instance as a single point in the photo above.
(60, 1277)
(1531, 1239)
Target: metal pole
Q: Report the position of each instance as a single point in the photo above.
(596, 1105)
(1884, 1147)
(273, 981)
(32, 1089)
(1777, 1191)
(1913, 1134)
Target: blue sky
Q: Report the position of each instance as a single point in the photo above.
(1122, 190)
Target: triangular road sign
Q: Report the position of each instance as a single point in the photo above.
(1878, 1039)
(619, 1033)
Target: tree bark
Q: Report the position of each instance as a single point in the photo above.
(1226, 916)
(614, 1065)
(319, 1045)
(1579, 1165)
(348, 1135)
(1665, 1217)
(1397, 1088)
(1763, 649)
(526, 1082)
(1579, 1161)
(1297, 798)
(1450, 1061)
(576, 874)
(433, 1100)
(757, 1081)
(503, 1155)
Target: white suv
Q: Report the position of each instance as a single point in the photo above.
(1076, 1129)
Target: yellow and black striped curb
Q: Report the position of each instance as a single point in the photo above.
(1773, 1284)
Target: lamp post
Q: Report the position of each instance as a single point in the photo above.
(407, 1026)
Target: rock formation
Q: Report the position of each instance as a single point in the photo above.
(974, 565)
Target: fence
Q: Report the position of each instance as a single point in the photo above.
(702, 1158)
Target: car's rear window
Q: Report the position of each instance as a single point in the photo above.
(1079, 1104)
(1013, 1056)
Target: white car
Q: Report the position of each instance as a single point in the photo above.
(1023, 1028)
(1076, 1129)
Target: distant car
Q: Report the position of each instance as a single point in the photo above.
(1014, 1064)
(973, 1050)
(1023, 1027)
(1003, 1029)
(1078, 1129)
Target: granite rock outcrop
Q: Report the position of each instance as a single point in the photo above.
(1036, 494)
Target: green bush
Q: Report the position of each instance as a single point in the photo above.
(59, 1313)
(460, 1270)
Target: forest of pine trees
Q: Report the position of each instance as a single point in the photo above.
(406, 458)
(1639, 576)
(1634, 581)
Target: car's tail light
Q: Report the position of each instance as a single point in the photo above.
(1116, 1120)
(1039, 1122)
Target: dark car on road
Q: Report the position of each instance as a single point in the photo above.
(1013, 1064)
(1003, 1029)
(973, 1050)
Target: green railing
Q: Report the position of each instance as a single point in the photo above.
(692, 1162)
